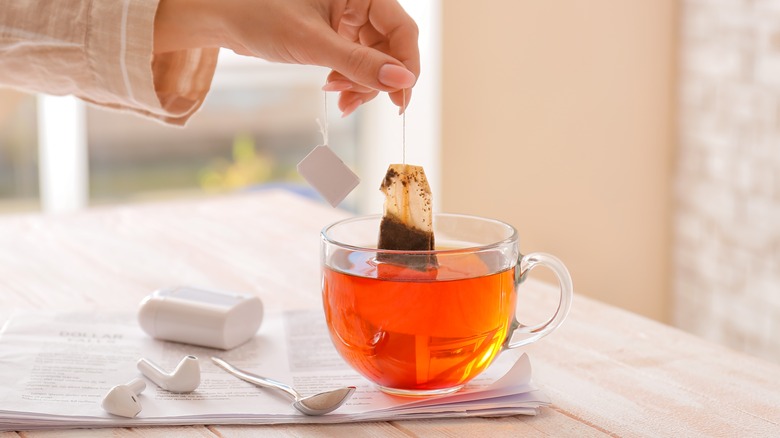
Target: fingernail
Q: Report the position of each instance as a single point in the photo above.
(351, 108)
(395, 76)
(337, 86)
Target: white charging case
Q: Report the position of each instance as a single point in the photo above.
(201, 317)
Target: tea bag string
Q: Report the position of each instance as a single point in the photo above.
(324, 125)
(403, 124)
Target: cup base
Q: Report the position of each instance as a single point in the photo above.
(420, 392)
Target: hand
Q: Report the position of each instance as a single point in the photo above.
(370, 45)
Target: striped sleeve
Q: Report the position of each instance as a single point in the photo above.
(101, 51)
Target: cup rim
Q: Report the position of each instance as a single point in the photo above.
(513, 237)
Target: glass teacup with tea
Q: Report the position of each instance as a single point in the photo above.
(427, 320)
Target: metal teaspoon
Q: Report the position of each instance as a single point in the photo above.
(317, 404)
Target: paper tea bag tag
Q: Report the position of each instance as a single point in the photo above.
(325, 171)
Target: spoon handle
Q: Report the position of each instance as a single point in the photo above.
(257, 380)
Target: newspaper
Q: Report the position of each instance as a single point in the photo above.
(56, 367)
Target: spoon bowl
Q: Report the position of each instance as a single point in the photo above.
(324, 402)
(317, 404)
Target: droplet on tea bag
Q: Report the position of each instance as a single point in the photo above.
(407, 223)
(325, 171)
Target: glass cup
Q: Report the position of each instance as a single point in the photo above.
(426, 322)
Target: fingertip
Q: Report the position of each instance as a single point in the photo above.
(395, 76)
(337, 85)
(401, 99)
(349, 109)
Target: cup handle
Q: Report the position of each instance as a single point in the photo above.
(528, 334)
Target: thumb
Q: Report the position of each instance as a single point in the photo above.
(364, 65)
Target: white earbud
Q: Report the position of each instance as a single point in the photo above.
(184, 378)
(122, 400)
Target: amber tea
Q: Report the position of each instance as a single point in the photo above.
(421, 331)
(428, 331)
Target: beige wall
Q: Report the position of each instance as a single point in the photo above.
(557, 117)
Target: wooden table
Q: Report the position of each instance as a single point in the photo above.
(608, 372)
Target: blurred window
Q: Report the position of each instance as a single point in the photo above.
(258, 121)
(18, 152)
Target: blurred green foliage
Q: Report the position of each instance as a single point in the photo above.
(248, 167)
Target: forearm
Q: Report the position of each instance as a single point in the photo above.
(259, 28)
(188, 24)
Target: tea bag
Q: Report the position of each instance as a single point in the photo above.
(407, 223)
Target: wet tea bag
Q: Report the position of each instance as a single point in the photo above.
(407, 223)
